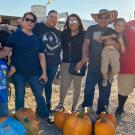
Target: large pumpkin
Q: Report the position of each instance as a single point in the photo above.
(25, 112)
(108, 116)
(32, 126)
(78, 124)
(104, 126)
(2, 119)
(27, 117)
(60, 118)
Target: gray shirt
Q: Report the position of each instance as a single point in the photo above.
(96, 45)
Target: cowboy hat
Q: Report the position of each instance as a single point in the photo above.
(112, 15)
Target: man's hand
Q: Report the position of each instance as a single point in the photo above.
(44, 77)
(78, 66)
(123, 49)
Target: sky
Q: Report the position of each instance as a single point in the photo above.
(82, 7)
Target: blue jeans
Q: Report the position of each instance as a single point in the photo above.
(51, 72)
(93, 78)
(37, 89)
(3, 109)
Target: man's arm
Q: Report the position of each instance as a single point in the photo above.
(85, 51)
(108, 36)
(4, 52)
(43, 66)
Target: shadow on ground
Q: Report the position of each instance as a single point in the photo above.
(46, 130)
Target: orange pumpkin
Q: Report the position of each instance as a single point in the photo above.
(60, 118)
(78, 124)
(32, 126)
(108, 116)
(2, 119)
(25, 112)
(27, 117)
(104, 126)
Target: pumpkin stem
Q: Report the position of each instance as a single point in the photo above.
(80, 114)
(91, 110)
(103, 119)
(26, 119)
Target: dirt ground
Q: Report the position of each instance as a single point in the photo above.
(125, 127)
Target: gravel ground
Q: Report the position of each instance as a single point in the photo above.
(125, 127)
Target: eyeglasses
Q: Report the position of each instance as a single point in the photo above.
(29, 20)
(103, 18)
(73, 21)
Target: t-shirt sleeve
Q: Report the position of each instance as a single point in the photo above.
(41, 48)
(11, 41)
(89, 33)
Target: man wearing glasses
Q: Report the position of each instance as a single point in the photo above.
(50, 36)
(92, 49)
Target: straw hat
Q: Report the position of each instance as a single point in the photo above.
(111, 14)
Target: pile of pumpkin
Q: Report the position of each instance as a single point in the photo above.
(85, 122)
(27, 117)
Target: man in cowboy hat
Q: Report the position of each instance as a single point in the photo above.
(92, 49)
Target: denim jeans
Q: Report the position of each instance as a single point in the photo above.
(93, 78)
(3, 109)
(51, 72)
(36, 87)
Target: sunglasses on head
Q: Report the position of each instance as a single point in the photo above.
(103, 17)
(29, 20)
(73, 21)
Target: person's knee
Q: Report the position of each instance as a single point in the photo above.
(116, 71)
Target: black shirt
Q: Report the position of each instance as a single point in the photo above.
(51, 38)
(72, 46)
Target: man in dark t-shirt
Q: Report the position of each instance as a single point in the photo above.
(50, 36)
(92, 49)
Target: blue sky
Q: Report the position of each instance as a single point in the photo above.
(82, 7)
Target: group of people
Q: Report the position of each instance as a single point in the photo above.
(39, 48)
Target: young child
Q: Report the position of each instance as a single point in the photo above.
(3, 88)
(113, 44)
(3, 76)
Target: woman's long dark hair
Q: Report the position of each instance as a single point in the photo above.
(66, 26)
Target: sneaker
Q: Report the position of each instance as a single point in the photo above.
(119, 112)
(51, 112)
(59, 107)
(48, 122)
(104, 83)
(73, 109)
(118, 115)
